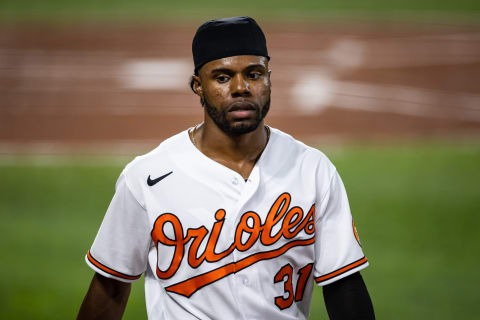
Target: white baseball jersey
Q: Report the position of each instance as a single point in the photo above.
(214, 246)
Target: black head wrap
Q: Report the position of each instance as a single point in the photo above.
(227, 37)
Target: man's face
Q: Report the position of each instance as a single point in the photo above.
(235, 92)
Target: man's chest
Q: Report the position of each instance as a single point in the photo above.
(201, 234)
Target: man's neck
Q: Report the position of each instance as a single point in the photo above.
(237, 152)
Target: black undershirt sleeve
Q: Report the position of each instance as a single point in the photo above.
(348, 299)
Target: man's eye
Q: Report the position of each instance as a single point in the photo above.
(254, 75)
(222, 79)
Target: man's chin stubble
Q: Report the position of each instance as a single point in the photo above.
(239, 128)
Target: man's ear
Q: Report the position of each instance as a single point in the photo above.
(197, 86)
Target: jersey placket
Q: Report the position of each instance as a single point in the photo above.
(240, 280)
(236, 192)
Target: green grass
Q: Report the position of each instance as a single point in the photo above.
(417, 211)
(416, 208)
(269, 9)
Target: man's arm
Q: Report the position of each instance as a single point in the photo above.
(106, 299)
(348, 299)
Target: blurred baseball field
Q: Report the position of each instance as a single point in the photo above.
(389, 90)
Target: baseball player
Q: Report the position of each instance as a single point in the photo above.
(229, 219)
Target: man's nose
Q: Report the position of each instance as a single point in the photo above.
(240, 86)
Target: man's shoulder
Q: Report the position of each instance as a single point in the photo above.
(288, 153)
(295, 147)
(158, 159)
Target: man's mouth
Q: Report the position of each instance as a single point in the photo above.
(242, 109)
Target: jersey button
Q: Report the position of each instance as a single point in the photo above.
(235, 181)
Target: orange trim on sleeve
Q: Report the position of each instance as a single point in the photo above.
(341, 270)
(110, 271)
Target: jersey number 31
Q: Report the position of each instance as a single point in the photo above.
(285, 275)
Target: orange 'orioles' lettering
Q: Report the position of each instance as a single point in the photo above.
(291, 221)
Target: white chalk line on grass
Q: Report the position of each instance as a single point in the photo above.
(317, 89)
(406, 101)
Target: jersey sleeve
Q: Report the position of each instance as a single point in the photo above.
(338, 252)
(120, 249)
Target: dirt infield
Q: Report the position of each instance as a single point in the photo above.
(110, 83)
